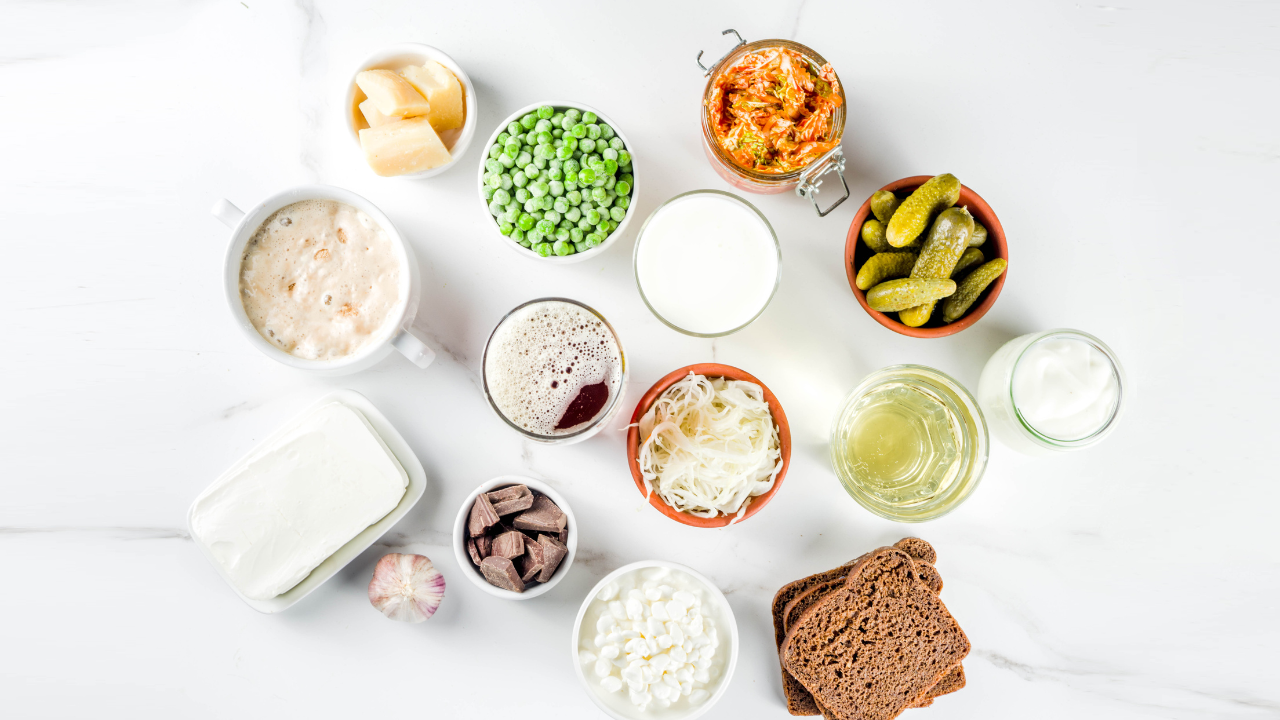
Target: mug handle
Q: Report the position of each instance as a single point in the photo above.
(414, 347)
(229, 214)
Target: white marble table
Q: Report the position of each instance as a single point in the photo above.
(1131, 153)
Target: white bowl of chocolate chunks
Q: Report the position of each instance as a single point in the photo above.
(517, 536)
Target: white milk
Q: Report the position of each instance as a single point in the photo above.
(1065, 388)
(707, 263)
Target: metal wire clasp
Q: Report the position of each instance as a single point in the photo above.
(811, 180)
(707, 70)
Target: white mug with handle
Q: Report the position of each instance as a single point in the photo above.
(398, 333)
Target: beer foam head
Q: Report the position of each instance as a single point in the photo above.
(541, 357)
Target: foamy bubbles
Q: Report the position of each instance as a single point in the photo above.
(542, 356)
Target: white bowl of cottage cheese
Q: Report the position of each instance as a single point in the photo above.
(655, 640)
(318, 278)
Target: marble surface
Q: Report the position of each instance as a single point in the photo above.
(1130, 151)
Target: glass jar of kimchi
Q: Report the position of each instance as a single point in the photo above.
(773, 115)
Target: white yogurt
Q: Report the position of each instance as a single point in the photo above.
(707, 263)
(1065, 388)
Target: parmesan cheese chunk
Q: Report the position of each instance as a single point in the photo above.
(403, 147)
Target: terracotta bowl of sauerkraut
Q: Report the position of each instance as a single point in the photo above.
(709, 445)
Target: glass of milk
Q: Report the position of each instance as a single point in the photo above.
(1052, 391)
(707, 263)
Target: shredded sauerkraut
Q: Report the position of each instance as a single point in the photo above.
(707, 446)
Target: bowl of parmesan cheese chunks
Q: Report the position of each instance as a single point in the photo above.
(412, 110)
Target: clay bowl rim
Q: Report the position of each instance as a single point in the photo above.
(757, 503)
(996, 239)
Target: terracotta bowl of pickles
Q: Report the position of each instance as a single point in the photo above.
(857, 253)
(711, 371)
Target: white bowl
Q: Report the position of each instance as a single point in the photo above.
(617, 705)
(576, 257)
(460, 538)
(397, 56)
(398, 331)
(356, 545)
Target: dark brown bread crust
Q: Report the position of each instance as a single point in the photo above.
(918, 549)
(873, 647)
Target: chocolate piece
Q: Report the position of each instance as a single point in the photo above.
(544, 516)
(473, 552)
(511, 499)
(509, 545)
(533, 560)
(482, 516)
(564, 536)
(552, 553)
(501, 573)
(484, 546)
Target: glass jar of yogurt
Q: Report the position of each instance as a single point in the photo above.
(1052, 391)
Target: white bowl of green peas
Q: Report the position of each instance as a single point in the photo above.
(557, 182)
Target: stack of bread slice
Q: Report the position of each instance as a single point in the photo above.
(870, 638)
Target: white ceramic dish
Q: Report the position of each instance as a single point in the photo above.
(399, 334)
(621, 707)
(576, 257)
(395, 57)
(460, 541)
(358, 544)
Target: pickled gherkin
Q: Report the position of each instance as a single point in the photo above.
(884, 266)
(979, 235)
(883, 203)
(968, 291)
(873, 236)
(971, 257)
(947, 241)
(905, 293)
(913, 215)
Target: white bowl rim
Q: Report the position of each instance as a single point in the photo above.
(430, 52)
(725, 678)
(460, 545)
(556, 259)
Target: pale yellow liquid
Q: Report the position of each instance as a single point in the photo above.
(901, 443)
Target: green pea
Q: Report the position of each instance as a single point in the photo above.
(571, 142)
(546, 202)
(628, 179)
(570, 176)
(542, 126)
(492, 165)
(546, 152)
(546, 227)
(524, 159)
(540, 162)
(567, 124)
(522, 195)
(580, 247)
(555, 119)
(505, 228)
(622, 201)
(579, 131)
(520, 179)
(622, 187)
(574, 113)
(606, 131)
(562, 234)
(507, 161)
(502, 197)
(568, 185)
(546, 111)
(533, 236)
(517, 234)
(584, 225)
(610, 166)
(573, 197)
(557, 133)
(495, 209)
(593, 216)
(537, 215)
(599, 194)
(587, 145)
(593, 240)
(617, 213)
(544, 138)
(505, 181)
(528, 121)
(616, 144)
(572, 214)
(539, 189)
(531, 205)
(563, 248)
(563, 152)
(589, 117)
(487, 191)
(494, 181)
(556, 187)
(552, 217)
(514, 128)
(495, 151)
(572, 166)
(510, 215)
(593, 131)
(543, 249)
(606, 202)
(586, 176)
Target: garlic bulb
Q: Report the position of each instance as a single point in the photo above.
(406, 587)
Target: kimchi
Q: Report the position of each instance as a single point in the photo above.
(772, 111)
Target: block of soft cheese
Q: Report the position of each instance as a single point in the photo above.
(443, 93)
(282, 511)
(392, 94)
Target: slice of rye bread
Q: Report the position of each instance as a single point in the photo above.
(794, 609)
(918, 549)
(875, 646)
(799, 701)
